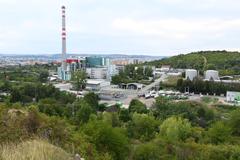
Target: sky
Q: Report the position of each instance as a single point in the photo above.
(140, 27)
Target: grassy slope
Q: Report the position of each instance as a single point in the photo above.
(33, 150)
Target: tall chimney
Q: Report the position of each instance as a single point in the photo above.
(64, 50)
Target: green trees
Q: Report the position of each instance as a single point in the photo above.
(83, 114)
(176, 129)
(226, 62)
(33, 92)
(168, 130)
(43, 76)
(137, 106)
(50, 107)
(79, 79)
(108, 139)
(234, 122)
(92, 99)
(219, 133)
(149, 151)
(133, 73)
(143, 126)
(204, 87)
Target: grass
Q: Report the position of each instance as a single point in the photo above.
(208, 100)
(171, 81)
(33, 150)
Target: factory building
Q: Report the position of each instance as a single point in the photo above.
(191, 74)
(72, 65)
(96, 85)
(97, 73)
(212, 75)
(105, 72)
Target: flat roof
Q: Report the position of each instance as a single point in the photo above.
(95, 81)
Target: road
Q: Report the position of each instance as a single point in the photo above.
(152, 85)
(132, 94)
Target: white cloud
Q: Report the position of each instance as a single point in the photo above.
(144, 25)
(176, 28)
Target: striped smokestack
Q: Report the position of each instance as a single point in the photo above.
(64, 49)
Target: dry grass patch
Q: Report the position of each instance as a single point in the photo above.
(33, 150)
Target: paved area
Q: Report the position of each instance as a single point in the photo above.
(125, 95)
(132, 94)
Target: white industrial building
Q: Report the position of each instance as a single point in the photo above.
(96, 84)
(212, 75)
(165, 68)
(233, 97)
(102, 72)
(191, 74)
(97, 73)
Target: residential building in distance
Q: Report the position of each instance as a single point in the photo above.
(120, 62)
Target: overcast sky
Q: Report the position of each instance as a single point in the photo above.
(149, 27)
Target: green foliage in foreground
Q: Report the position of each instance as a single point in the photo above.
(169, 130)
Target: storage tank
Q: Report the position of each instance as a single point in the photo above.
(211, 74)
(191, 74)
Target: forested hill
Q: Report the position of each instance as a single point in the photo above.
(228, 63)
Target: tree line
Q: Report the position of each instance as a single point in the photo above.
(206, 87)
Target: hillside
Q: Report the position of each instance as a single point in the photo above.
(228, 63)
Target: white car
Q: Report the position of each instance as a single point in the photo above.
(147, 95)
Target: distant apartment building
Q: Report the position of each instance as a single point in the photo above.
(120, 62)
(97, 61)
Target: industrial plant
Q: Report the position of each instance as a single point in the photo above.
(95, 67)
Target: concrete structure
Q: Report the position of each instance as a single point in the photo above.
(165, 68)
(97, 84)
(211, 75)
(97, 73)
(64, 72)
(157, 72)
(191, 74)
(112, 70)
(233, 97)
(64, 36)
(132, 86)
(135, 86)
(135, 61)
(176, 74)
(72, 65)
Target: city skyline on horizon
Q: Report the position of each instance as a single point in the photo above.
(154, 28)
